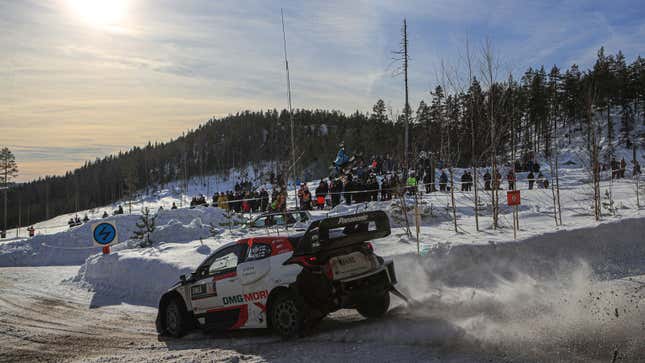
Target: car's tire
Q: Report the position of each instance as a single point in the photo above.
(375, 306)
(175, 321)
(287, 316)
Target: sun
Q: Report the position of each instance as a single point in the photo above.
(100, 13)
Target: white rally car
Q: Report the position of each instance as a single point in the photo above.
(287, 284)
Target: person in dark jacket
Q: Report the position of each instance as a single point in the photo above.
(637, 169)
(264, 201)
(510, 177)
(464, 182)
(487, 178)
(531, 179)
(429, 183)
(443, 181)
(336, 189)
(321, 194)
(348, 187)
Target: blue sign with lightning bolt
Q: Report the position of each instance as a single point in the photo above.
(104, 233)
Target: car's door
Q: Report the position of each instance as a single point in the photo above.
(217, 295)
(254, 275)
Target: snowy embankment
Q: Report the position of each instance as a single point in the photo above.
(140, 276)
(74, 246)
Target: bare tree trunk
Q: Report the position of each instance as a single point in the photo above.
(472, 136)
(596, 172)
(554, 171)
(488, 59)
(557, 178)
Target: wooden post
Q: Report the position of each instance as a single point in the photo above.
(405, 213)
(637, 176)
(452, 197)
(417, 222)
(515, 222)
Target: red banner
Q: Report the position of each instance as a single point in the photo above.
(513, 197)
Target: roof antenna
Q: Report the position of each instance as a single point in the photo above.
(293, 143)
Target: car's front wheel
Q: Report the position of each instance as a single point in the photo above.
(375, 306)
(287, 316)
(175, 318)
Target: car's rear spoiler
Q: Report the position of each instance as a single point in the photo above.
(334, 232)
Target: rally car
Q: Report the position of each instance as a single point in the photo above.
(287, 284)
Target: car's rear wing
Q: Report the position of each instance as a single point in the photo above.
(340, 231)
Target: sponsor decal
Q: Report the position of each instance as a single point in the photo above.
(198, 290)
(343, 220)
(237, 299)
(242, 298)
(248, 270)
(259, 251)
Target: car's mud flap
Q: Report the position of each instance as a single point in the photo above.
(408, 301)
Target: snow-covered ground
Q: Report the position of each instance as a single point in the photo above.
(570, 296)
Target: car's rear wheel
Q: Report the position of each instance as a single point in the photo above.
(374, 306)
(175, 318)
(287, 316)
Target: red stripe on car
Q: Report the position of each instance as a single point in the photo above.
(261, 306)
(224, 276)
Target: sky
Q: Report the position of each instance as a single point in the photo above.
(81, 79)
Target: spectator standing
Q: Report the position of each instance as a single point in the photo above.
(443, 181)
(487, 179)
(531, 179)
(511, 180)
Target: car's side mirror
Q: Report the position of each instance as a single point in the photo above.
(182, 278)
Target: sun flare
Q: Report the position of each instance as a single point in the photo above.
(100, 13)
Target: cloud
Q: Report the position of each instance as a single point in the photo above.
(173, 64)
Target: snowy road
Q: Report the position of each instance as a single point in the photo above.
(42, 318)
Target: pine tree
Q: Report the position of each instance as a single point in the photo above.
(8, 172)
(145, 225)
(379, 112)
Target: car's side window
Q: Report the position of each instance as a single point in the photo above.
(260, 222)
(258, 251)
(278, 219)
(227, 259)
(291, 219)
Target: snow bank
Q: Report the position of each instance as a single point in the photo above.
(611, 250)
(139, 276)
(73, 246)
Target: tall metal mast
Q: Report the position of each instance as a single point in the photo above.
(407, 104)
(293, 142)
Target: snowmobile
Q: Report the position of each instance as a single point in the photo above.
(343, 163)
